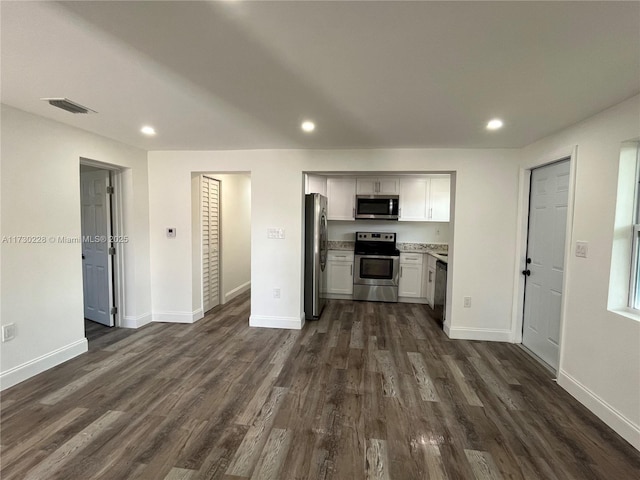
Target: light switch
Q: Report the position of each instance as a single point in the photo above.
(171, 232)
(275, 233)
(581, 249)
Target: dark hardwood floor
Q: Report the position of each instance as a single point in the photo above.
(373, 391)
(94, 330)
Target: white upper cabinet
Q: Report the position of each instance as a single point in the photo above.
(341, 193)
(440, 195)
(414, 199)
(425, 199)
(315, 184)
(377, 186)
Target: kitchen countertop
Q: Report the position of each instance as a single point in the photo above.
(423, 247)
(434, 249)
(440, 257)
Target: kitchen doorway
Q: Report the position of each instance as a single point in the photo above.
(545, 261)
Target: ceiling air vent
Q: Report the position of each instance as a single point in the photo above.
(68, 105)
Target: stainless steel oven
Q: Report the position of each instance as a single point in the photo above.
(377, 265)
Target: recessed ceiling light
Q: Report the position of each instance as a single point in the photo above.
(147, 130)
(494, 124)
(308, 126)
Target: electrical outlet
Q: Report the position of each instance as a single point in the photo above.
(276, 293)
(581, 249)
(8, 332)
(467, 302)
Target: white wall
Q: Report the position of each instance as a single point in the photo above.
(42, 283)
(485, 217)
(236, 234)
(600, 354)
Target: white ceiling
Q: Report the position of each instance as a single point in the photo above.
(372, 74)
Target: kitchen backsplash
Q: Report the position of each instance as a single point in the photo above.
(407, 232)
(414, 247)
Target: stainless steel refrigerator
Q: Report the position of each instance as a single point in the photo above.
(315, 254)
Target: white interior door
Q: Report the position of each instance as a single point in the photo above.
(210, 196)
(545, 252)
(96, 263)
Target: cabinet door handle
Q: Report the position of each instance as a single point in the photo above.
(354, 212)
(431, 213)
(400, 271)
(430, 273)
(377, 187)
(351, 270)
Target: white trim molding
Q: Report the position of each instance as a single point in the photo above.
(178, 317)
(237, 291)
(136, 322)
(38, 365)
(608, 414)
(485, 334)
(264, 321)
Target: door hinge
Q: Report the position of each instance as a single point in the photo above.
(114, 310)
(110, 190)
(112, 250)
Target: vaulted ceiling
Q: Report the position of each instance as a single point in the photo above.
(371, 74)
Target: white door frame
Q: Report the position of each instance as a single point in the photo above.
(524, 187)
(117, 228)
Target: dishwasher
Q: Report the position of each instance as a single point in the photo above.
(440, 298)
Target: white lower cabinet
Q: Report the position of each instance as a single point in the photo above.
(430, 283)
(410, 283)
(339, 272)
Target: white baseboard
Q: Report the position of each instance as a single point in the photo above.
(486, 334)
(291, 323)
(136, 322)
(178, 317)
(608, 414)
(237, 291)
(38, 365)
(338, 296)
(421, 301)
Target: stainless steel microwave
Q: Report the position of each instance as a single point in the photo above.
(377, 207)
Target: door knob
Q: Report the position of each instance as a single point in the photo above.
(526, 272)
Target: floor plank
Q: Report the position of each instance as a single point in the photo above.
(370, 391)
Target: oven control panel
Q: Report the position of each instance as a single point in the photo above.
(376, 237)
